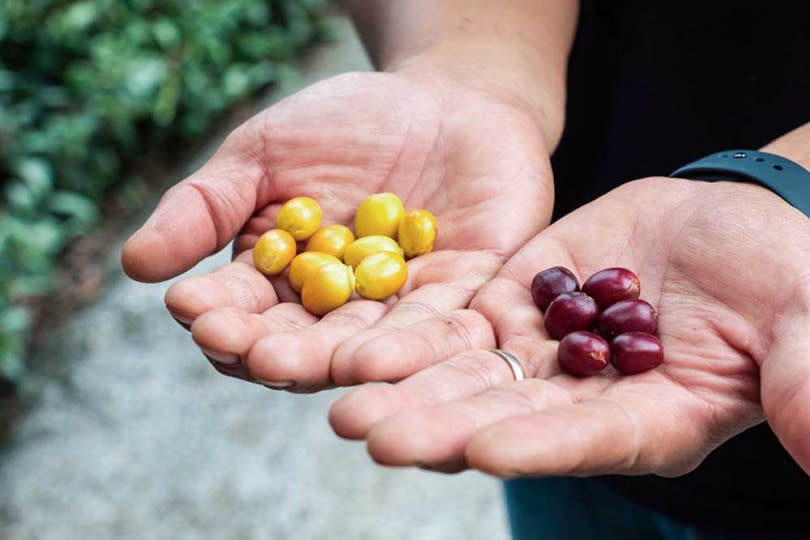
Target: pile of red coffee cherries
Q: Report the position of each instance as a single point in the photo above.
(606, 310)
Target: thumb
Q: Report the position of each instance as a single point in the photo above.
(198, 216)
(785, 384)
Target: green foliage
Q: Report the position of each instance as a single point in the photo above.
(86, 87)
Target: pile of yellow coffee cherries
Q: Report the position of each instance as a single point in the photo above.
(334, 264)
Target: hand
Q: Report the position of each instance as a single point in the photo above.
(725, 264)
(473, 157)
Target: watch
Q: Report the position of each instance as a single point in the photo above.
(784, 177)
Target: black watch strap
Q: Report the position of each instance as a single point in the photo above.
(786, 178)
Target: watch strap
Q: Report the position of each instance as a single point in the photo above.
(784, 177)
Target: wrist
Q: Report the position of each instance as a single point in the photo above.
(542, 98)
(794, 146)
(516, 50)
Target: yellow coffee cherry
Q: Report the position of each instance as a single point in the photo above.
(380, 275)
(333, 240)
(369, 245)
(417, 232)
(300, 217)
(379, 214)
(328, 288)
(305, 264)
(273, 251)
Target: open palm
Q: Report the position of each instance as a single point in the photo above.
(473, 159)
(726, 267)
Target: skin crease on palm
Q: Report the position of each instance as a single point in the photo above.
(725, 265)
(339, 141)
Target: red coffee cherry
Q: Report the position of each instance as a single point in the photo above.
(628, 316)
(551, 283)
(583, 354)
(636, 352)
(570, 312)
(612, 285)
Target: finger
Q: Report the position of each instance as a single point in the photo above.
(647, 425)
(507, 302)
(437, 436)
(509, 305)
(439, 284)
(226, 335)
(392, 354)
(464, 375)
(592, 437)
(302, 359)
(200, 215)
(237, 284)
(397, 353)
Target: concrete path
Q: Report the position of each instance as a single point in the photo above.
(136, 437)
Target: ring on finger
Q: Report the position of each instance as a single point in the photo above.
(514, 365)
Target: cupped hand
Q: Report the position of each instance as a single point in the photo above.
(726, 266)
(476, 159)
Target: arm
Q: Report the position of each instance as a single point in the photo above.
(518, 48)
(794, 145)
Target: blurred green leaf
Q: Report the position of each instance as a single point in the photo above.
(236, 81)
(78, 16)
(166, 32)
(38, 239)
(20, 199)
(37, 175)
(144, 75)
(14, 319)
(78, 212)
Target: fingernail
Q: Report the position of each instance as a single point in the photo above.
(227, 359)
(277, 385)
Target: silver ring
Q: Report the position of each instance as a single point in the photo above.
(514, 365)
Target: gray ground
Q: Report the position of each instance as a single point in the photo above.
(137, 437)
